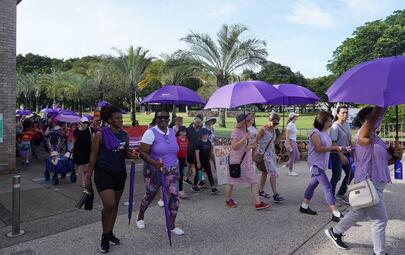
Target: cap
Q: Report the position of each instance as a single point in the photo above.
(204, 131)
(241, 117)
(292, 115)
(54, 153)
(84, 119)
(214, 120)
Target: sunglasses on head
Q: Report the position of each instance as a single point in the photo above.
(162, 117)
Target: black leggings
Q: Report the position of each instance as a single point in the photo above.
(206, 165)
(182, 165)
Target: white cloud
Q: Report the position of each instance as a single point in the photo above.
(79, 10)
(368, 7)
(225, 10)
(307, 13)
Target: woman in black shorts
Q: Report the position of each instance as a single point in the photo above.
(108, 152)
(82, 147)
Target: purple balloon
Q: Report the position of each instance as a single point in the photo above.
(173, 94)
(378, 82)
(244, 93)
(295, 94)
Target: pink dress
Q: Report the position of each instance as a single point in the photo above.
(248, 173)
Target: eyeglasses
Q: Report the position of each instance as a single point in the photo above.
(162, 117)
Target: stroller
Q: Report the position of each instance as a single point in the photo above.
(56, 165)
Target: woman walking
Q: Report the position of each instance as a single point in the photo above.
(108, 153)
(241, 153)
(182, 141)
(291, 143)
(266, 138)
(159, 150)
(372, 160)
(82, 147)
(319, 148)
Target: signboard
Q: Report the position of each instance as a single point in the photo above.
(135, 135)
(221, 154)
(1, 128)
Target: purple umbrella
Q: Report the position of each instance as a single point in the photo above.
(103, 104)
(22, 112)
(296, 94)
(131, 191)
(88, 116)
(173, 94)
(244, 93)
(166, 205)
(68, 112)
(68, 118)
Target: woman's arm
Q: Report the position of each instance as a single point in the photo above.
(367, 128)
(197, 157)
(95, 146)
(237, 144)
(144, 151)
(321, 149)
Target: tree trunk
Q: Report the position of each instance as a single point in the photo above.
(80, 107)
(133, 107)
(174, 113)
(221, 81)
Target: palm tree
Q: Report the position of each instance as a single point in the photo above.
(24, 87)
(228, 54)
(76, 88)
(55, 84)
(132, 66)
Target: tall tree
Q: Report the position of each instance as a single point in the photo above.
(319, 85)
(229, 53)
(132, 65)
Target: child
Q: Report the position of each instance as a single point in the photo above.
(203, 154)
(25, 148)
(182, 141)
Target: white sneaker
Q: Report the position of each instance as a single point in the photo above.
(161, 203)
(178, 231)
(286, 165)
(140, 224)
(182, 194)
(293, 173)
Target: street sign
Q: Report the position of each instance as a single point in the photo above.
(1, 128)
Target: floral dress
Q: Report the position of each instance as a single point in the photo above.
(270, 157)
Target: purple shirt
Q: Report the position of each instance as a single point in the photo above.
(165, 147)
(376, 167)
(318, 159)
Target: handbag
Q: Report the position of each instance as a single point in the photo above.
(259, 158)
(235, 169)
(86, 199)
(363, 194)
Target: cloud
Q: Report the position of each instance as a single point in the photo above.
(225, 10)
(368, 7)
(310, 14)
(79, 10)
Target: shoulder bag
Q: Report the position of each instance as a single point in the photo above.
(259, 158)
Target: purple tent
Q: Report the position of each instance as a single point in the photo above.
(296, 94)
(244, 93)
(173, 94)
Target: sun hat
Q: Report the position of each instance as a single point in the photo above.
(84, 119)
(241, 117)
(214, 120)
(292, 115)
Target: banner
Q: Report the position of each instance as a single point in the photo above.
(221, 154)
(135, 135)
(1, 128)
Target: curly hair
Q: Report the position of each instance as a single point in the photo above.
(107, 112)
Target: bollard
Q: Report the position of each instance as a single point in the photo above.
(15, 228)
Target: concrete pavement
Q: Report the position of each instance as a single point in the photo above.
(54, 226)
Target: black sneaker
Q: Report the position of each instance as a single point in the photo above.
(195, 189)
(201, 183)
(337, 219)
(307, 211)
(105, 243)
(278, 199)
(187, 181)
(214, 190)
(113, 239)
(336, 239)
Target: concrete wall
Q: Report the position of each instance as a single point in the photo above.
(8, 82)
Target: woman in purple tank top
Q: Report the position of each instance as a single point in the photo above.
(159, 150)
(372, 158)
(319, 148)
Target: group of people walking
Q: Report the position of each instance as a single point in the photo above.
(180, 155)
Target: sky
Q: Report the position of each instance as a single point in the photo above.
(301, 34)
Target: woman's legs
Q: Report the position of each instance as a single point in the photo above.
(207, 167)
(263, 179)
(229, 188)
(110, 208)
(173, 196)
(273, 184)
(309, 192)
(82, 172)
(336, 171)
(152, 185)
(255, 193)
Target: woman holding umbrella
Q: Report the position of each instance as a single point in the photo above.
(159, 150)
(372, 160)
(108, 152)
(241, 153)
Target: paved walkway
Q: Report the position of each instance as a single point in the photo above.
(54, 226)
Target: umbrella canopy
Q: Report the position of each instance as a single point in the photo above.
(22, 112)
(69, 112)
(295, 94)
(103, 104)
(88, 116)
(378, 82)
(68, 118)
(244, 93)
(173, 94)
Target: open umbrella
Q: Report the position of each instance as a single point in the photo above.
(173, 94)
(379, 82)
(68, 118)
(69, 112)
(131, 191)
(295, 95)
(244, 93)
(166, 205)
(22, 112)
(103, 103)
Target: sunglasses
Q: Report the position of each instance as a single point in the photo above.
(275, 123)
(162, 117)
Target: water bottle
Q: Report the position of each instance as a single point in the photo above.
(398, 170)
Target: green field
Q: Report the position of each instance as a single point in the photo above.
(304, 122)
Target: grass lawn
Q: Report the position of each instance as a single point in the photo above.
(304, 122)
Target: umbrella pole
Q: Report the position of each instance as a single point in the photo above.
(396, 124)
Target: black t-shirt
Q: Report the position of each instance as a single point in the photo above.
(193, 136)
(205, 150)
(83, 141)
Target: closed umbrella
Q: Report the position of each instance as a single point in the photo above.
(131, 191)
(379, 82)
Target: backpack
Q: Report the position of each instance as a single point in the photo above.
(54, 137)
